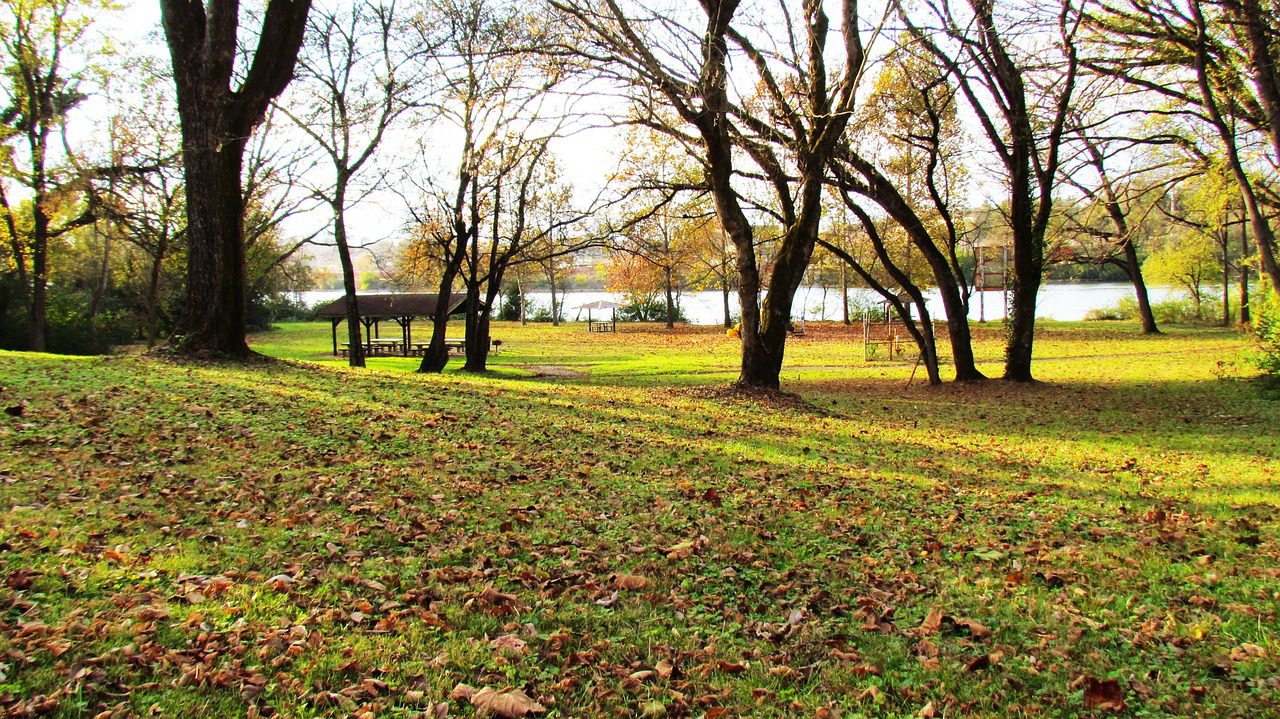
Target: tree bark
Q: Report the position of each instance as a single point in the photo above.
(1244, 276)
(478, 330)
(216, 305)
(671, 302)
(844, 294)
(724, 299)
(216, 123)
(1134, 269)
(436, 356)
(39, 274)
(355, 347)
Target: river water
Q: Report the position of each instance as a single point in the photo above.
(1056, 301)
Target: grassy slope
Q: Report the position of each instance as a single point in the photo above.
(1117, 521)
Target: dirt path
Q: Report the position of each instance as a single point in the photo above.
(551, 371)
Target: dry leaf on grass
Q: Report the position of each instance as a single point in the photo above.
(510, 645)
(510, 704)
(630, 581)
(976, 630)
(1103, 695)
(932, 621)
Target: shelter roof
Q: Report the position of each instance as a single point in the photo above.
(396, 304)
(600, 305)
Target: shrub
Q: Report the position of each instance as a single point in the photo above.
(1125, 309)
(1170, 312)
(1266, 329)
(276, 307)
(69, 329)
(647, 308)
(510, 304)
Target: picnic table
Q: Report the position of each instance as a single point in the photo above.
(451, 343)
(376, 346)
(602, 326)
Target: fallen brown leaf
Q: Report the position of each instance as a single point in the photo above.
(976, 630)
(932, 621)
(1103, 695)
(510, 645)
(630, 581)
(510, 704)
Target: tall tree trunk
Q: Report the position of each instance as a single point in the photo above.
(1028, 258)
(39, 275)
(153, 288)
(1244, 275)
(1118, 217)
(355, 347)
(724, 300)
(474, 355)
(524, 319)
(217, 120)
(216, 305)
(671, 302)
(844, 294)
(1263, 232)
(794, 253)
(958, 330)
(478, 331)
(1134, 269)
(1224, 240)
(551, 281)
(436, 355)
(103, 279)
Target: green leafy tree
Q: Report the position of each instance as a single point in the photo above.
(41, 87)
(1190, 264)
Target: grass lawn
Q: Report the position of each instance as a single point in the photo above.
(600, 525)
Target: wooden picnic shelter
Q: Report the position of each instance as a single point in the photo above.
(399, 307)
(611, 325)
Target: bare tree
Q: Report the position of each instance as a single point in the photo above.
(1123, 179)
(663, 213)
(217, 120)
(904, 155)
(789, 128)
(357, 75)
(496, 98)
(41, 87)
(1216, 61)
(1017, 68)
(147, 207)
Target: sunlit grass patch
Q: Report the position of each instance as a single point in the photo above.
(312, 540)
